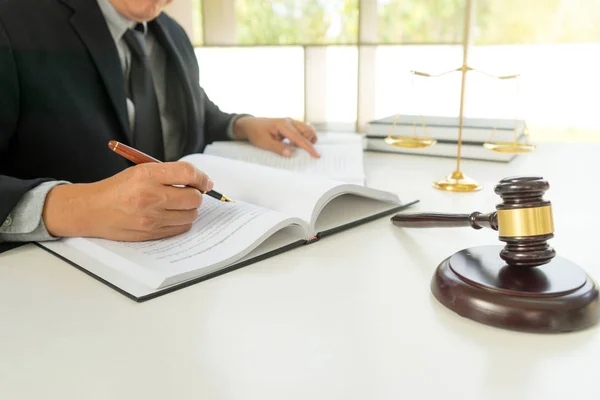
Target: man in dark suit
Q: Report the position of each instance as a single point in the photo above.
(75, 74)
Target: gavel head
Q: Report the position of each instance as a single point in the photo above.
(524, 221)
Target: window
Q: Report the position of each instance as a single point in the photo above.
(397, 90)
(309, 59)
(420, 21)
(537, 21)
(549, 43)
(331, 86)
(263, 81)
(550, 92)
(557, 84)
(296, 21)
(341, 85)
(198, 28)
(494, 21)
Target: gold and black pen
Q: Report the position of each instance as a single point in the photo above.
(137, 157)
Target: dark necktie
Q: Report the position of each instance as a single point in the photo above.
(147, 133)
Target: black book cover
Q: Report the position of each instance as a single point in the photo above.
(233, 267)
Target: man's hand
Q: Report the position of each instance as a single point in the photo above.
(269, 133)
(139, 203)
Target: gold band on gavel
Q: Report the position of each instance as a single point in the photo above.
(521, 222)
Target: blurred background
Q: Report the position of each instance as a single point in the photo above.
(342, 63)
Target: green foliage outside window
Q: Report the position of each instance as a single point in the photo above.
(537, 21)
(296, 21)
(197, 16)
(418, 21)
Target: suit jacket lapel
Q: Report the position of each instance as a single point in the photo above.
(91, 26)
(175, 61)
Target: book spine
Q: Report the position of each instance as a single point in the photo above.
(312, 239)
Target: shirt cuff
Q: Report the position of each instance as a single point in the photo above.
(25, 222)
(230, 134)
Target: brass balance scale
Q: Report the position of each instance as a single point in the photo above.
(457, 181)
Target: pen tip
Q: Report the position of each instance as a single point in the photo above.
(112, 145)
(226, 199)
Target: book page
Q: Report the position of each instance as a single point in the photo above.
(222, 233)
(341, 157)
(291, 193)
(349, 203)
(347, 209)
(140, 290)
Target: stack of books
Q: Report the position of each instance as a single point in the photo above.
(476, 132)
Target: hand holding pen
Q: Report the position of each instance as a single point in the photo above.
(148, 201)
(137, 157)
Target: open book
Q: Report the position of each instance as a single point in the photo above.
(341, 156)
(273, 210)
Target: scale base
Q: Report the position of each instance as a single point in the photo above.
(556, 297)
(457, 182)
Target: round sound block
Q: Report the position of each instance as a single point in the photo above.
(556, 297)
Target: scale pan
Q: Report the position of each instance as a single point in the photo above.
(410, 142)
(509, 147)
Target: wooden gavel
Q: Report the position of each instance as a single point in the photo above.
(523, 221)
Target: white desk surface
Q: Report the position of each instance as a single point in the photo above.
(350, 317)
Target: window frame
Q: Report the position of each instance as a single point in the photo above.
(218, 30)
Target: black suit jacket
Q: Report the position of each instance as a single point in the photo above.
(63, 98)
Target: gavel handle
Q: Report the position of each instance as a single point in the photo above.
(475, 220)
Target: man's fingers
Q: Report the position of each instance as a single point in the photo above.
(161, 233)
(289, 131)
(279, 147)
(179, 198)
(178, 217)
(178, 173)
(306, 130)
(168, 231)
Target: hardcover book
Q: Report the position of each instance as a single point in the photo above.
(273, 210)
